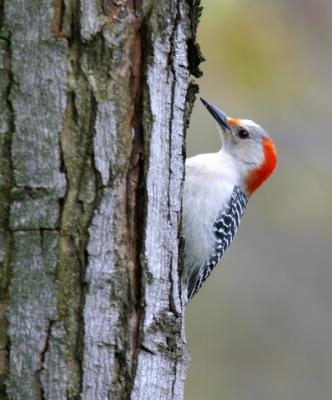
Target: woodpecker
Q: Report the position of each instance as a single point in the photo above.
(216, 192)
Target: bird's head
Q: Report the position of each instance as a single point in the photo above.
(249, 144)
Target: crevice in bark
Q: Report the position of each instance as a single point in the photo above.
(59, 10)
(172, 74)
(174, 380)
(41, 395)
(2, 2)
(135, 215)
(136, 199)
(195, 56)
(6, 184)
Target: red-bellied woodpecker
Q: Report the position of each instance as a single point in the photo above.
(216, 191)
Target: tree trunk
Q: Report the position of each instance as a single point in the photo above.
(94, 100)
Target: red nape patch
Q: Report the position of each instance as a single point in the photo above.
(259, 176)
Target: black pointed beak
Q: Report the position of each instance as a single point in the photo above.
(218, 115)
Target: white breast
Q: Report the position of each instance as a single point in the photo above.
(209, 183)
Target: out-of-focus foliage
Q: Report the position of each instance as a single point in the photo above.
(261, 327)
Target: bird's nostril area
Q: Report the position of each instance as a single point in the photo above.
(233, 121)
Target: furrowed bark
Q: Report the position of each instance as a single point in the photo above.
(95, 98)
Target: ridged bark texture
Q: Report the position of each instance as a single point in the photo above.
(94, 101)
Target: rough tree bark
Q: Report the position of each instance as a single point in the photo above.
(94, 100)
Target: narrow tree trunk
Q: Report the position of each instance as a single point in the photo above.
(94, 100)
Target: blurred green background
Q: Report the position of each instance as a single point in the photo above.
(261, 326)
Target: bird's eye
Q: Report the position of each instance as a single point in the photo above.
(243, 133)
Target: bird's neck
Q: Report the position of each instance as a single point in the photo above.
(258, 176)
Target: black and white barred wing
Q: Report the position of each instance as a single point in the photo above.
(224, 229)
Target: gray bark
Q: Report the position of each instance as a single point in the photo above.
(94, 100)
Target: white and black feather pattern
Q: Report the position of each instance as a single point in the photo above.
(224, 229)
